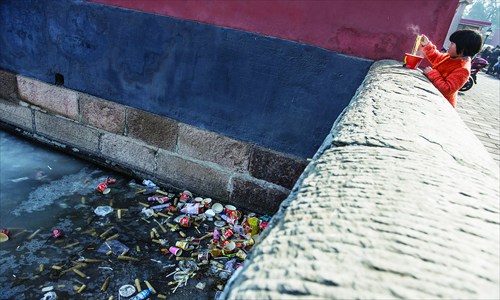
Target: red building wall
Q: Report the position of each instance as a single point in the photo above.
(374, 29)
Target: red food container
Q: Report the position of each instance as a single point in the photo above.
(185, 222)
(56, 233)
(103, 188)
(228, 234)
(110, 181)
(234, 214)
(186, 196)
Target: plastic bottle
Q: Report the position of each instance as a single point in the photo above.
(142, 295)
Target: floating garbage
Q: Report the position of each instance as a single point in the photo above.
(49, 296)
(142, 295)
(114, 246)
(103, 210)
(176, 242)
(103, 188)
(56, 233)
(4, 235)
(126, 290)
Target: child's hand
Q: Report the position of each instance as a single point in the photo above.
(426, 70)
(424, 41)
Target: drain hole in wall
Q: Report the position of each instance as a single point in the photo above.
(59, 79)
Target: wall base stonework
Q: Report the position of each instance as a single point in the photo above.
(401, 201)
(173, 154)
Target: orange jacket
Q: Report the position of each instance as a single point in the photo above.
(448, 74)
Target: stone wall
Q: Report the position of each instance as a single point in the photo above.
(146, 145)
(401, 201)
(262, 90)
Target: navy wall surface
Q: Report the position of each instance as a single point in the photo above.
(275, 93)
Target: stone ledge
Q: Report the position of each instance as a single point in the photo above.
(15, 114)
(8, 84)
(199, 178)
(391, 202)
(209, 146)
(275, 167)
(127, 152)
(256, 195)
(67, 131)
(50, 97)
(102, 114)
(152, 129)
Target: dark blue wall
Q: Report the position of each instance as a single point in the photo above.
(275, 93)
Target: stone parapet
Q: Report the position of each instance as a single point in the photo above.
(57, 100)
(400, 201)
(171, 153)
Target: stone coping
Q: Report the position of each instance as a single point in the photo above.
(400, 201)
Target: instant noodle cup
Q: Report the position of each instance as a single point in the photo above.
(204, 256)
(254, 224)
(186, 196)
(219, 223)
(229, 209)
(241, 254)
(210, 214)
(234, 214)
(56, 233)
(229, 246)
(412, 61)
(182, 244)
(110, 181)
(4, 235)
(103, 188)
(217, 208)
(215, 252)
(185, 222)
(228, 233)
(126, 290)
(175, 251)
(206, 202)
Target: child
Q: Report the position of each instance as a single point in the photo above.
(451, 70)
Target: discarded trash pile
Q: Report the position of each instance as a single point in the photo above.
(157, 245)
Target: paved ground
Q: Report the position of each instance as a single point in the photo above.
(479, 108)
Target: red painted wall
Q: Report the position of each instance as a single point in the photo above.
(374, 29)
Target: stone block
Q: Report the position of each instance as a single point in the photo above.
(256, 195)
(152, 129)
(203, 179)
(67, 132)
(128, 152)
(103, 114)
(7, 84)
(209, 146)
(15, 114)
(276, 167)
(49, 97)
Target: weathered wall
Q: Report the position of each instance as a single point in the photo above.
(262, 90)
(401, 201)
(145, 145)
(374, 29)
